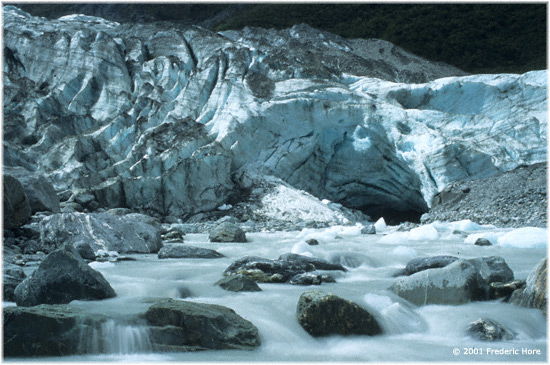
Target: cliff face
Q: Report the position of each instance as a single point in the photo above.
(175, 121)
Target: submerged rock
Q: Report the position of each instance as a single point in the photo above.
(131, 233)
(460, 282)
(425, 263)
(325, 314)
(311, 278)
(46, 330)
(181, 324)
(263, 270)
(535, 294)
(319, 264)
(489, 330)
(62, 277)
(189, 252)
(227, 232)
(237, 283)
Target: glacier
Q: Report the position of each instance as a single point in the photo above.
(174, 121)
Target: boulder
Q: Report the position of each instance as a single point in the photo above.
(263, 270)
(489, 330)
(227, 232)
(17, 208)
(312, 242)
(181, 324)
(237, 283)
(482, 242)
(319, 264)
(46, 330)
(325, 314)
(425, 263)
(460, 282)
(131, 233)
(39, 190)
(187, 252)
(84, 249)
(13, 275)
(535, 294)
(63, 276)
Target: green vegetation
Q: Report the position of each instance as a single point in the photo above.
(478, 38)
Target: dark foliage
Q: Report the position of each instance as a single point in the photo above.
(478, 38)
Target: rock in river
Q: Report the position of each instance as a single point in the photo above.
(535, 294)
(268, 271)
(324, 314)
(62, 277)
(179, 325)
(186, 251)
(238, 283)
(227, 232)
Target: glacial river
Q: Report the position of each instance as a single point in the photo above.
(427, 333)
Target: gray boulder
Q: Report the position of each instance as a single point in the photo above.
(312, 242)
(181, 324)
(227, 232)
(46, 330)
(535, 294)
(324, 314)
(263, 270)
(124, 234)
(13, 275)
(319, 264)
(17, 208)
(62, 277)
(368, 228)
(39, 190)
(188, 252)
(311, 278)
(237, 283)
(460, 282)
(489, 330)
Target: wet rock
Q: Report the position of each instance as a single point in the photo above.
(173, 235)
(482, 242)
(132, 233)
(319, 264)
(312, 242)
(63, 276)
(189, 252)
(71, 207)
(535, 294)
(237, 283)
(325, 314)
(489, 330)
(457, 283)
(17, 209)
(307, 278)
(39, 190)
(46, 330)
(12, 275)
(227, 232)
(425, 263)
(498, 290)
(263, 270)
(181, 324)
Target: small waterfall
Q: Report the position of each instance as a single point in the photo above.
(111, 337)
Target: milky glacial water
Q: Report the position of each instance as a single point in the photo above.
(428, 333)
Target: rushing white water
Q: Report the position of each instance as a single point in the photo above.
(427, 333)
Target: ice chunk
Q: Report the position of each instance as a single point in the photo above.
(380, 224)
(527, 237)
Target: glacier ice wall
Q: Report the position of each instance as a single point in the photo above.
(174, 121)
